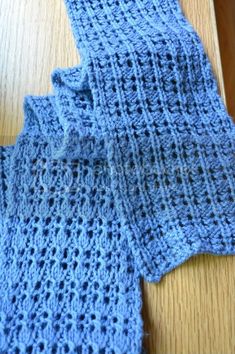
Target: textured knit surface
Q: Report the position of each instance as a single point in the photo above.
(169, 140)
(68, 280)
(126, 170)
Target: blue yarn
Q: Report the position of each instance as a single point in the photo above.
(125, 171)
(169, 139)
(68, 280)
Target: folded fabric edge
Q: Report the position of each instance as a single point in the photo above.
(66, 132)
(75, 109)
(182, 250)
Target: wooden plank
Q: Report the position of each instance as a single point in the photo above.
(35, 37)
(201, 14)
(225, 16)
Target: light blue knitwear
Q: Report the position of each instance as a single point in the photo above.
(170, 142)
(124, 172)
(69, 283)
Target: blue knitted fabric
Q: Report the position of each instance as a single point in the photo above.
(170, 142)
(68, 280)
(125, 171)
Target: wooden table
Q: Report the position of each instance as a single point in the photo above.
(192, 310)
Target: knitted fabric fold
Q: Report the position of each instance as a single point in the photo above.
(68, 279)
(78, 136)
(168, 137)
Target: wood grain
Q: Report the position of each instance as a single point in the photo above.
(191, 311)
(35, 38)
(225, 16)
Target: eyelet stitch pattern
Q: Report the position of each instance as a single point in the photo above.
(170, 141)
(69, 282)
(125, 171)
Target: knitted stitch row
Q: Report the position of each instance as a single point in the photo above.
(125, 171)
(68, 279)
(169, 139)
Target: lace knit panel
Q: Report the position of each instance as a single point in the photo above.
(169, 139)
(127, 169)
(5, 154)
(68, 280)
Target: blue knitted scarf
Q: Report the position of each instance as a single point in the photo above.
(124, 172)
